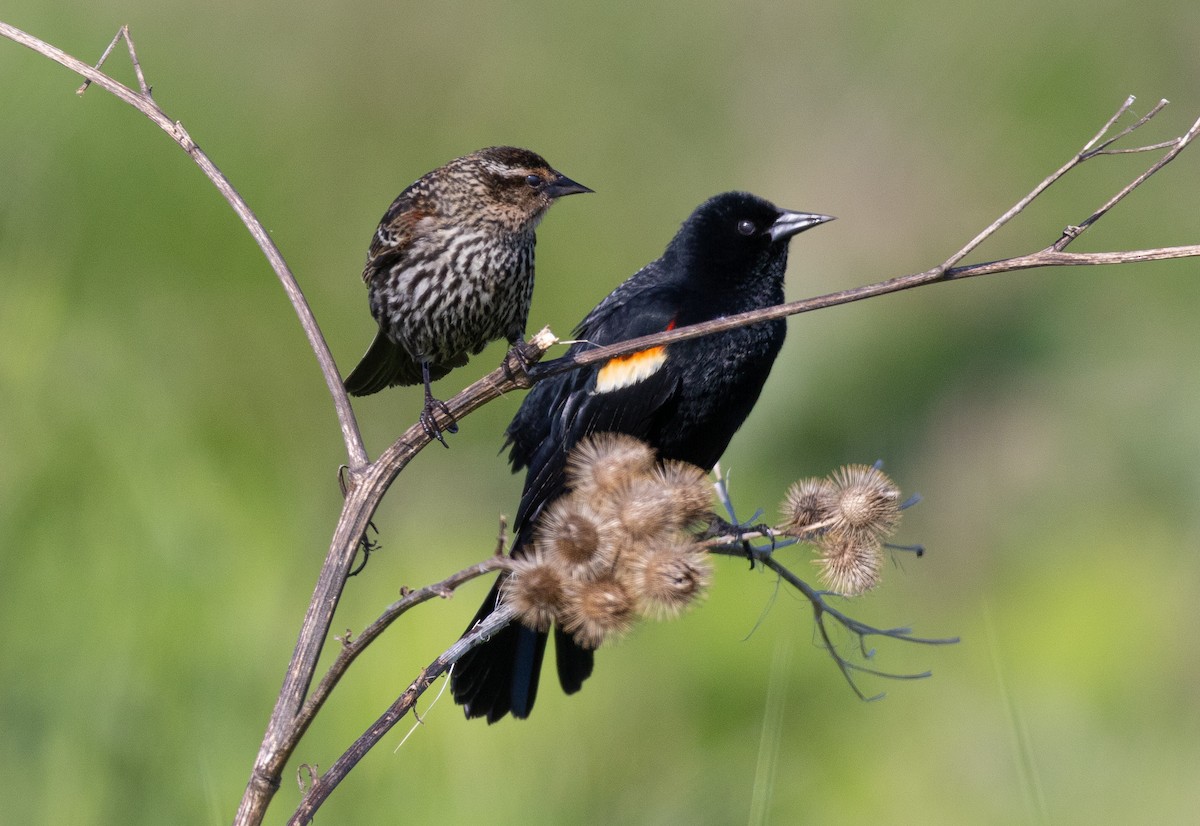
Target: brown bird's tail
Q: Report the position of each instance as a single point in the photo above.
(387, 364)
(384, 364)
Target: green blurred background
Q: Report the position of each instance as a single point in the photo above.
(168, 452)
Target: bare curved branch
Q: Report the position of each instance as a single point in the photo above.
(144, 103)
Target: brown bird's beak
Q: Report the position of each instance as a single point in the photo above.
(789, 223)
(562, 185)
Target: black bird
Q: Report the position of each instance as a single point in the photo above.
(686, 400)
(450, 268)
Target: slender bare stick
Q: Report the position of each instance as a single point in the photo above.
(1092, 149)
(122, 33)
(353, 646)
(1050, 180)
(327, 782)
(1177, 146)
(357, 509)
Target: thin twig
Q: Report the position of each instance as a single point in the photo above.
(1177, 146)
(1133, 150)
(351, 648)
(1020, 205)
(329, 781)
(1091, 149)
(122, 33)
(1110, 123)
(823, 610)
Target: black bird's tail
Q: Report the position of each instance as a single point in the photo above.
(501, 676)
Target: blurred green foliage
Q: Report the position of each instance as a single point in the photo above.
(168, 451)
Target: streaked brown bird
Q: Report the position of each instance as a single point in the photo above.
(450, 268)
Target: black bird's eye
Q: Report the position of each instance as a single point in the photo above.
(534, 181)
(746, 227)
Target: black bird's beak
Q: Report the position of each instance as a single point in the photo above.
(562, 185)
(789, 223)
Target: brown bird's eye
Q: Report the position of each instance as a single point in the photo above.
(747, 227)
(534, 181)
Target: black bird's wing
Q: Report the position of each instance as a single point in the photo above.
(627, 395)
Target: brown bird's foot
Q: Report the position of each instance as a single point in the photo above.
(428, 420)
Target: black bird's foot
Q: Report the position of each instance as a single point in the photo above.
(721, 527)
(518, 360)
(749, 549)
(429, 421)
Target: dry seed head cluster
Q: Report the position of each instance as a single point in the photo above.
(847, 516)
(616, 546)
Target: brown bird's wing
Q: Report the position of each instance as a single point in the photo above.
(385, 364)
(394, 235)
